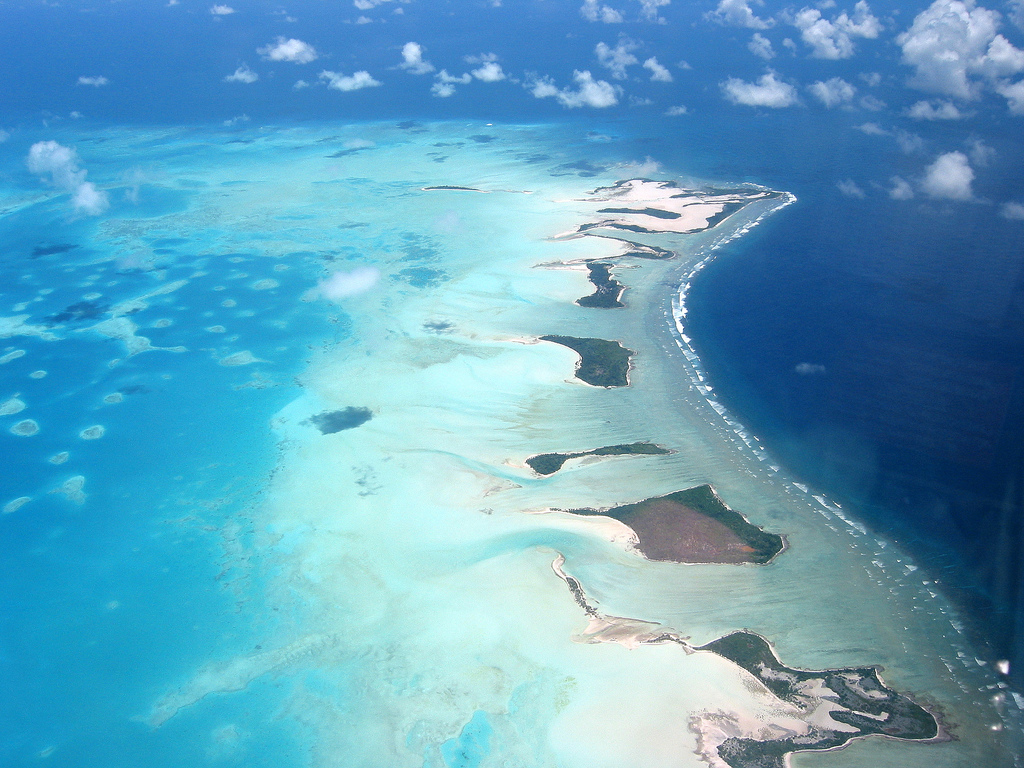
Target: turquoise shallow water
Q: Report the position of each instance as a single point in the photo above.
(218, 579)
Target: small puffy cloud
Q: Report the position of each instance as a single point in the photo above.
(592, 10)
(676, 111)
(4, 135)
(300, 84)
(832, 92)
(949, 177)
(618, 58)
(738, 13)
(767, 91)
(588, 93)
(291, 50)
(221, 10)
(413, 61)
(872, 79)
(909, 143)
(954, 48)
(1014, 95)
(871, 103)
(62, 164)
(649, 10)
(809, 369)
(242, 75)
(900, 189)
(489, 72)
(659, 74)
(353, 82)
(342, 285)
(850, 188)
(980, 152)
(96, 81)
(760, 45)
(834, 39)
(445, 84)
(872, 129)
(1012, 210)
(935, 110)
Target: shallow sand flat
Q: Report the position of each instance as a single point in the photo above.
(406, 538)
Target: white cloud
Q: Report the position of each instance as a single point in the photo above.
(292, 50)
(445, 85)
(4, 135)
(589, 93)
(834, 39)
(849, 188)
(1017, 12)
(49, 157)
(871, 103)
(768, 91)
(618, 58)
(949, 177)
(909, 143)
(659, 73)
(353, 82)
(96, 81)
(832, 92)
(242, 75)
(954, 42)
(221, 10)
(489, 72)
(342, 285)
(872, 129)
(364, 20)
(366, 5)
(591, 10)
(676, 111)
(236, 120)
(760, 45)
(649, 10)
(1011, 210)
(981, 153)
(738, 13)
(871, 78)
(901, 189)
(1014, 95)
(413, 61)
(935, 110)
(809, 369)
(300, 84)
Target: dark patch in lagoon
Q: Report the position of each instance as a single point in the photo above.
(549, 463)
(330, 422)
(864, 702)
(581, 168)
(655, 212)
(422, 277)
(483, 138)
(50, 250)
(602, 363)
(694, 526)
(608, 290)
(79, 311)
(438, 326)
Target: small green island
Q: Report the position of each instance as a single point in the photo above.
(862, 705)
(607, 290)
(602, 363)
(549, 463)
(694, 526)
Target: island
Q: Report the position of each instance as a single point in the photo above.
(608, 290)
(602, 363)
(549, 463)
(837, 705)
(693, 526)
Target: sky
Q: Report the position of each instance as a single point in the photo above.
(950, 71)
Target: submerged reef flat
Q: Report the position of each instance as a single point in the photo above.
(694, 526)
(602, 363)
(608, 290)
(838, 705)
(549, 463)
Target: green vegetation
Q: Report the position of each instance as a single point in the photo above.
(864, 700)
(602, 363)
(608, 289)
(549, 463)
(655, 212)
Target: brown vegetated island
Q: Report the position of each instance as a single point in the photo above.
(694, 526)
